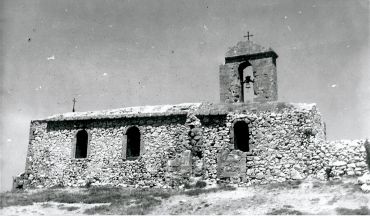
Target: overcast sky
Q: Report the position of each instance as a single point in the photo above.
(111, 54)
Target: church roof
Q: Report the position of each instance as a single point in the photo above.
(138, 111)
(243, 48)
(177, 109)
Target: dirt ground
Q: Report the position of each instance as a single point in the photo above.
(49, 208)
(308, 197)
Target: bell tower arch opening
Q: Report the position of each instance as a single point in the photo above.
(246, 77)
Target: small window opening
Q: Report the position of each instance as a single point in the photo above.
(133, 142)
(241, 136)
(81, 144)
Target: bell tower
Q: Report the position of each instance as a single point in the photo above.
(249, 74)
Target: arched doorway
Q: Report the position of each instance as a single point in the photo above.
(241, 136)
(82, 139)
(133, 142)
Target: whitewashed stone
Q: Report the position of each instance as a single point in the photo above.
(365, 188)
(295, 175)
(365, 179)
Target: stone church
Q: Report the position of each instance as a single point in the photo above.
(247, 138)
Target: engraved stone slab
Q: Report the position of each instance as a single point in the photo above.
(181, 165)
(231, 164)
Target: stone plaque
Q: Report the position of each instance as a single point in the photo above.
(181, 165)
(231, 164)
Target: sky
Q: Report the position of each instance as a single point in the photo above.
(112, 54)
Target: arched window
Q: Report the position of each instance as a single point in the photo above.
(82, 139)
(133, 142)
(241, 136)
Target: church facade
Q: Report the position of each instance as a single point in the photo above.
(248, 138)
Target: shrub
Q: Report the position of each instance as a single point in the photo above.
(200, 184)
(88, 184)
(187, 185)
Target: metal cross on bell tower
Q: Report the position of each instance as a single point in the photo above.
(248, 35)
(74, 103)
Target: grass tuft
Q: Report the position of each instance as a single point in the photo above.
(103, 209)
(284, 185)
(334, 182)
(364, 210)
(285, 211)
(68, 208)
(46, 205)
(197, 191)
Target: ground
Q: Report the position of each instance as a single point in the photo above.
(299, 197)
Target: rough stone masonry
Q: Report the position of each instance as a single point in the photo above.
(242, 140)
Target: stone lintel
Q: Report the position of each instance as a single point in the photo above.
(241, 58)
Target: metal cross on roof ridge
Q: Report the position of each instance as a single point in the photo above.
(248, 35)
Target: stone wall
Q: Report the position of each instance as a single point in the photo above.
(50, 160)
(343, 158)
(279, 143)
(287, 142)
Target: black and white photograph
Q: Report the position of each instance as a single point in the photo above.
(184, 107)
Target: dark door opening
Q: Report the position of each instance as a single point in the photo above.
(241, 136)
(133, 142)
(81, 144)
